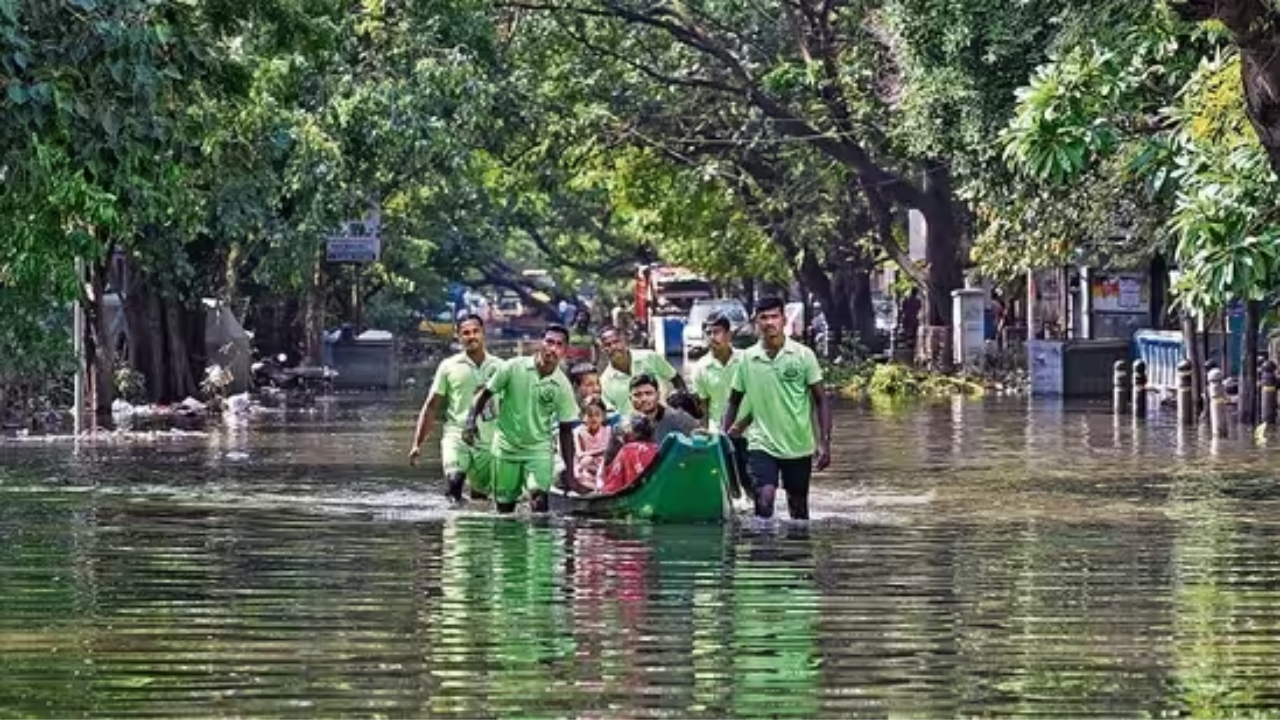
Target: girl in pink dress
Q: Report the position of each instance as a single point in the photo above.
(591, 440)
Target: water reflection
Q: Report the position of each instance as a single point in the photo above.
(966, 559)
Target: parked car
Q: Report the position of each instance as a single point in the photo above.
(693, 338)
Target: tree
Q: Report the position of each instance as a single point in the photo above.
(837, 77)
(1145, 106)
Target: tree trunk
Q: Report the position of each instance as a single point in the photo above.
(232, 277)
(154, 324)
(1248, 398)
(1196, 357)
(181, 379)
(811, 278)
(145, 354)
(1159, 273)
(158, 345)
(942, 241)
(102, 349)
(861, 307)
(851, 288)
(314, 323)
(1224, 343)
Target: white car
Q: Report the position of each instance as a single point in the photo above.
(694, 341)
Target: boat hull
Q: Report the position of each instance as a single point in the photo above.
(689, 482)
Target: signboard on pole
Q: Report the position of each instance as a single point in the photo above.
(359, 242)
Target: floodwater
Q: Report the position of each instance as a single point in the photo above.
(967, 558)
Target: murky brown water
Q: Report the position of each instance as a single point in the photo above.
(966, 559)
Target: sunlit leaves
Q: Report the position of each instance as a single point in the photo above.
(1228, 207)
(1159, 107)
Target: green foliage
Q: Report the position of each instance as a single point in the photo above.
(1226, 214)
(217, 143)
(958, 67)
(1140, 132)
(894, 380)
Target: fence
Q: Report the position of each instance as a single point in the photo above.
(1162, 350)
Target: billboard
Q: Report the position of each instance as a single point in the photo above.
(358, 242)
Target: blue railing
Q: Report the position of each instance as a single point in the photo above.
(1161, 350)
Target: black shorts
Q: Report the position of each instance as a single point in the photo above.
(767, 470)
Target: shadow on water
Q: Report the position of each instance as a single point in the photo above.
(966, 559)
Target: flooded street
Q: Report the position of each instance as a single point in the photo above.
(967, 558)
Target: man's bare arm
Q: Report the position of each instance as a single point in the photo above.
(430, 409)
(477, 406)
(567, 446)
(822, 408)
(731, 412)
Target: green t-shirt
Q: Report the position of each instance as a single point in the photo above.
(457, 380)
(615, 385)
(781, 405)
(711, 381)
(532, 407)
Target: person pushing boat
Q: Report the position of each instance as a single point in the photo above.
(625, 364)
(782, 381)
(454, 386)
(535, 398)
(711, 377)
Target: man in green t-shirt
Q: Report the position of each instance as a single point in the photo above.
(455, 384)
(711, 377)
(782, 381)
(534, 398)
(625, 364)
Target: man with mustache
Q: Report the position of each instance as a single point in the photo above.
(782, 381)
(455, 384)
(535, 398)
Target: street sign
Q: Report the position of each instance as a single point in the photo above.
(359, 242)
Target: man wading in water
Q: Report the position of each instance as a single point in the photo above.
(782, 381)
(712, 376)
(534, 396)
(455, 385)
(625, 364)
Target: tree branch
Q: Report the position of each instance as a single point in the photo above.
(500, 274)
(1253, 23)
(692, 82)
(612, 267)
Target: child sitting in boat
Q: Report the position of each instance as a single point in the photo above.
(634, 457)
(586, 381)
(591, 439)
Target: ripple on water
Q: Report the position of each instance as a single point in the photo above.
(963, 559)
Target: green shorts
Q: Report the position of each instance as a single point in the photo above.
(475, 462)
(512, 477)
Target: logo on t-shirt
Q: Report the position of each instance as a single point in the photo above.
(791, 371)
(547, 395)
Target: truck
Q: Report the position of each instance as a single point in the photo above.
(664, 295)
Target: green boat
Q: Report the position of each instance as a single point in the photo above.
(690, 481)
